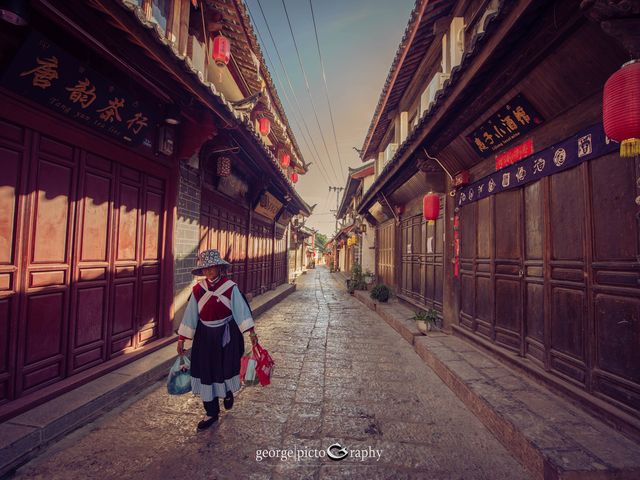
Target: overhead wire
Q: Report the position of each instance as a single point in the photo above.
(326, 88)
(321, 168)
(306, 81)
(293, 92)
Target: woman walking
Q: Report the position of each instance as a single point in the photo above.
(216, 316)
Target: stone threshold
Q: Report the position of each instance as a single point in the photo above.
(26, 435)
(551, 437)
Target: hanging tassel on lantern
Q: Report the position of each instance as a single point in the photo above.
(630, 147)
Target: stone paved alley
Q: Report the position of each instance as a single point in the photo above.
(342, 375)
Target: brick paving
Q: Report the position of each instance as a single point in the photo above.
(342, 375)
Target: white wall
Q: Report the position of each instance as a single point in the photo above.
(368, 252)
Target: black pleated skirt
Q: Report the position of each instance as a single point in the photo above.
(212, 364)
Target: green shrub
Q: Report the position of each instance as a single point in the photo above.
(380, 292)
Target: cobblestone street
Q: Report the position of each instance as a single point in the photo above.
(342, 375)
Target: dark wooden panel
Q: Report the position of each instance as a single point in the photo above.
(45, 324)
(533, 221)
(567, 215)
(91, 308)
(485, 228)
(567, 321)
(123, 305)
(149, 310)
(617, 321)
(535, 311)
(614, 213)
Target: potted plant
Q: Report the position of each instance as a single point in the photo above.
(369, 277)
(427, 320)
(420, 318)
(380, 293)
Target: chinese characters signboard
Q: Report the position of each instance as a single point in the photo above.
(514, 154)
(268, 206)
(587, 144)
(46, 74)
(510, 122)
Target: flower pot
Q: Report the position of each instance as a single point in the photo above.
(422, 326)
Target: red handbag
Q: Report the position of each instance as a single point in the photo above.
(265, 365)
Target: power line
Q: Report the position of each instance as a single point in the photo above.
(326, 89)
(321, 169)
(293, 92)
(306, 81)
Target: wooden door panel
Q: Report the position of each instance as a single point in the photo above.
(44, 347)
(567, 215)
(44, 320)
(11, 161)
(152, 226)
(89, 313)
(149, 311)
(484, 306)
(128, 215)
(568, 316)
(567, 332)
(508, 311)
(123, 318)
(13, 151)
(7, 351)
(508, 268)
(614, 214)
(52, 220)
(617, 321)
(95, 206)
(88, 336)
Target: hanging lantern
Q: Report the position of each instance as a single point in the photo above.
(265, 126)
(221, 50)
(294, 177)
(621, 108)
(285, 159)
(223, 168)
(431, 207)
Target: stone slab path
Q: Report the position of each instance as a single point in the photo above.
(342, 376)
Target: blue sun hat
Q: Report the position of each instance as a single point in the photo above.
(209, 258)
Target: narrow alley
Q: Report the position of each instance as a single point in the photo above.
(342, 376)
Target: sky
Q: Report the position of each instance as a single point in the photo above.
(358, 41)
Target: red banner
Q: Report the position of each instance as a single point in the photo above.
(514, 154)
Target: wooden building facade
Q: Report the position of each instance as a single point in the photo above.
(535, 253)
(110, 128)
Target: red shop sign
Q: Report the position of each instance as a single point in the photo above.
(514, 154)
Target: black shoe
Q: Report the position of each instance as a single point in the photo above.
(204, 424)
(228, 401)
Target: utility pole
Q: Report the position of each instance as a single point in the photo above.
(337, 190)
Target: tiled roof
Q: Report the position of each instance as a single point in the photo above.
(415, 42)
(456, 73)
(240, 118)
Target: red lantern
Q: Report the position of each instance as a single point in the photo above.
(223, 167)
(265, 126)
(285, 160)
(431, 207)
(621, 108)
(294, 177)
(221, 50)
